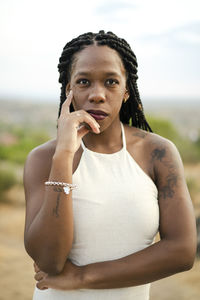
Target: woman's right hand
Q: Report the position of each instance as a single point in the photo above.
(73, 126)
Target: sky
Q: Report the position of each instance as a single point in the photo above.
(164, 35)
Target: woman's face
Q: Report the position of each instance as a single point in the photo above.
(98, 81)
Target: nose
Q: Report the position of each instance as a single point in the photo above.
(97, 94)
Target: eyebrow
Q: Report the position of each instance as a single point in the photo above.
(89, 73)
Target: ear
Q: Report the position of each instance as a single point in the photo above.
(127, 89)
(126, 94)
(67, 89)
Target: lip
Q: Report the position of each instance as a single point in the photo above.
(97, 114)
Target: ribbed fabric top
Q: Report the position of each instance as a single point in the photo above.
(116, 213)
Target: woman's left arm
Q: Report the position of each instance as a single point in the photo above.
(176, 250)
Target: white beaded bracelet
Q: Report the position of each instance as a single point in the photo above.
(67, 187)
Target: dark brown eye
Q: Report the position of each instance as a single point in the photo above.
(112, 82)
(82, 81)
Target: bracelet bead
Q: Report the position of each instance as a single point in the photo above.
(67, 187)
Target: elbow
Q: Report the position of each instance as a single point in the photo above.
(50, 262)
(186, 265)
(186, 257)
(50, 257)
(50, 267)
(188, 262)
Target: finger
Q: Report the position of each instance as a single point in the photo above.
(66, 104)
(50, 282)
(93, 125)
(84, 118)
(39, 276)
(36, 268)
(83, 124)
(83, 130)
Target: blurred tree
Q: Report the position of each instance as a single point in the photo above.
(7, 180)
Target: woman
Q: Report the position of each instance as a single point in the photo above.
(98, 194)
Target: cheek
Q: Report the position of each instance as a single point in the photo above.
(118, 99)
(77, 99)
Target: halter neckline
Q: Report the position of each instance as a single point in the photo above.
(122, 149)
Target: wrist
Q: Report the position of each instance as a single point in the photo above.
(84, 278)
(63, 154)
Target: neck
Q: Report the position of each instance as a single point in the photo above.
(108, 141)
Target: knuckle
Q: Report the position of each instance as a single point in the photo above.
(38, 285)
(37, 276)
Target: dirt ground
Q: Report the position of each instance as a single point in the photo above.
(16, 271)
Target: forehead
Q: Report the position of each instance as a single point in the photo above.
(101, 58)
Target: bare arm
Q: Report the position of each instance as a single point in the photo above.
(49, 216)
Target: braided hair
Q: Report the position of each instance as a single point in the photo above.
(131, 111)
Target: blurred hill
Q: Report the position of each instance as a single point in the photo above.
(185, 115)
(29, 114)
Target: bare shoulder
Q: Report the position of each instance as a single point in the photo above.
(163, 152)
(154, 153)
(43, 151)
(153, 144)
(38, 162)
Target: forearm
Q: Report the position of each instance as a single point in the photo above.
(49, 237)
(153, 263)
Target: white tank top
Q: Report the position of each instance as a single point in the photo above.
(116, 213)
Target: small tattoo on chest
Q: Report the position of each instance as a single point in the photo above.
(140, 134)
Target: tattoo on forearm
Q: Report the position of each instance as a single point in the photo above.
(55, 210)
